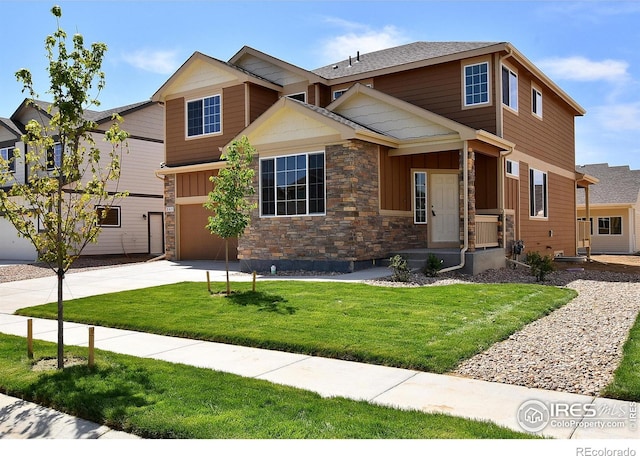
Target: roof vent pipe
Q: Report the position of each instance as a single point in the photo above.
(358, 57)
(349, 60)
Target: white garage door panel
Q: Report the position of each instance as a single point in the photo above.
(13, 247)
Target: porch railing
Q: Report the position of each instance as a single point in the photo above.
(487, 231)
(584, 233)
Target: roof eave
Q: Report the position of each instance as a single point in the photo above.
(543, 77)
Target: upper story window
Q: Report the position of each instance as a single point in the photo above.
(204, 116)
(292, 185)
(7, 155)
(476, 84)
(299, 96)
(512, 168)
(509, 88)
(54, 157)
(338, 93)
(536, 102)
(538, 194)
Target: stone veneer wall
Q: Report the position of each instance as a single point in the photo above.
(351, 233)
(170, 217)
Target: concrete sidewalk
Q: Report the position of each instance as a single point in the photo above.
(506, 405)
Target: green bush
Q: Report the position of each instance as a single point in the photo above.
(434, 264)
(540, 265)
(401, 272)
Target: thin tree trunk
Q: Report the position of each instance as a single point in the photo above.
(60, 265)
(226, 262)
(60, 321)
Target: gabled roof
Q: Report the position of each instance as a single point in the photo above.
(11, 126)
(400, 55)
(272, 61)
(617, 184)
(423, 53)
(198, 57)
(89, 114)
(366, 114)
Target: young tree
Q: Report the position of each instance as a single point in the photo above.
(228, 200)
(67, 175)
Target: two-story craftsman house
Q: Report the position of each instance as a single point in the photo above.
(456, 147)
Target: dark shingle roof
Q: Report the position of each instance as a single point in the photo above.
(97, 116)
(400, 55)
(618, 184)
(11, 126)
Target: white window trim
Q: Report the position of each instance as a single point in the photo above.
(186, 117)
(5, 155)
(534, 91)
(413, 196)
(546, 192)
(306, 154)
(464, 85)
(513, 73)
(111, 208)
(55, 165)
(340, 91)
(515, 175)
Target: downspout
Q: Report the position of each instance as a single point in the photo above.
(465, 186)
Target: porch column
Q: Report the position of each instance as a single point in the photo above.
(471, 182)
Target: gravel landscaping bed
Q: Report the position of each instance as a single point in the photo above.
(574, 349)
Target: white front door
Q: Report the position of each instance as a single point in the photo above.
(445, 215)
(156, 234)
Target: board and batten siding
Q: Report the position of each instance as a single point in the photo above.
(194, 184)
(395, 175)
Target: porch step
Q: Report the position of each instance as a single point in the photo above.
(417, 258)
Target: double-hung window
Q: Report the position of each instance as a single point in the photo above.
(204, 116)
(7, 154)
(476, 84)
(536, 102)
(538, 194)
(509, 88)
(54, 157)
(292, 185)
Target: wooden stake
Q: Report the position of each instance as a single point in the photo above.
(254, 281)
(208, 283)
(30, 338)
(91, 346)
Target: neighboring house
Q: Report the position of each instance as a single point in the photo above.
(134, 224)
(614, 213)
(459, 147)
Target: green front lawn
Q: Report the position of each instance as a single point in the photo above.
(156, 399)
(626, 379)
(425, 328)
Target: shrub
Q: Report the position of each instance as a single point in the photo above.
(401, 272)
(540, 265)
(434, 264)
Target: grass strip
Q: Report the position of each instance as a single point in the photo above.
(626, 379)
(156, 399)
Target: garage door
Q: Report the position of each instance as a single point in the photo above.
(13, 247)
(196, 241)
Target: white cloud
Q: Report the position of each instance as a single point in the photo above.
(161, 62)
(618, 117)
(583, 69)
(359, 38)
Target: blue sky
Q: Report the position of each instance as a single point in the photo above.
(589, 48)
